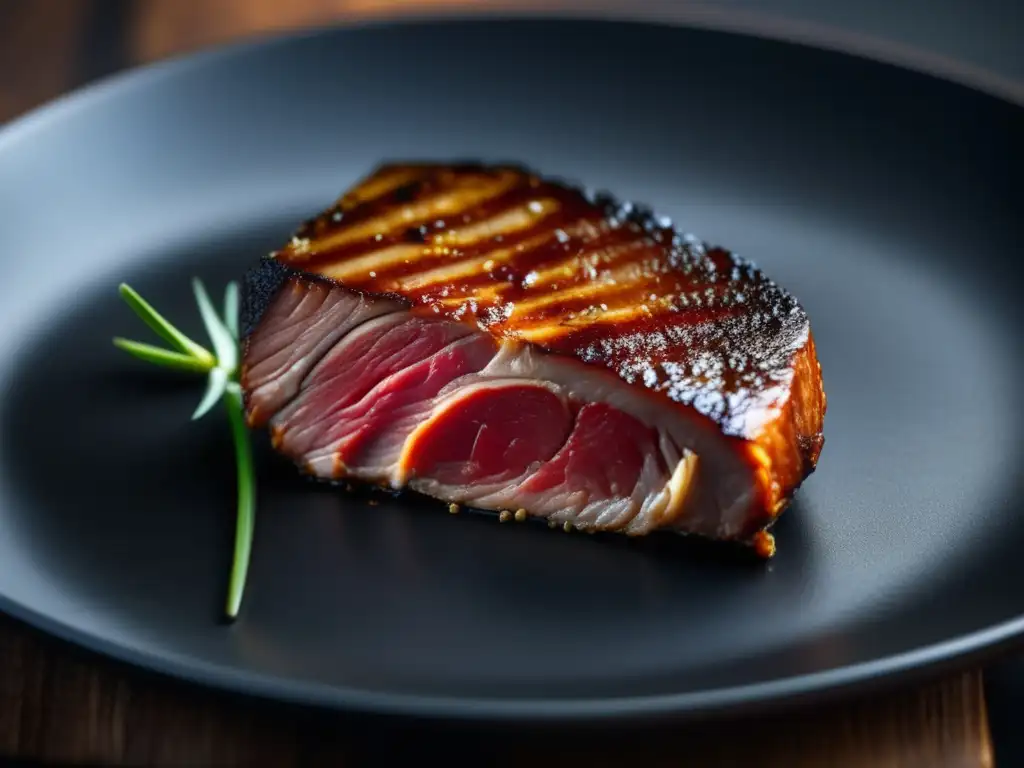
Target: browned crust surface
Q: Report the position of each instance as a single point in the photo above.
(585, 275)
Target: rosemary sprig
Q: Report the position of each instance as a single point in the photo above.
(221, 369)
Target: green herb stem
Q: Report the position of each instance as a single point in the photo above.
(246, 515)
(163, 328)
(162, 357)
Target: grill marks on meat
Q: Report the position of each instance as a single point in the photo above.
(489, 337)
(575, 273)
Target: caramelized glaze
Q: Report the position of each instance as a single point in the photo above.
(570, 271)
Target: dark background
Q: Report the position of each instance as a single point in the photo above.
(975, 40)
(978, 41)
(981, 33)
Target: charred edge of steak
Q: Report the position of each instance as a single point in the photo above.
(259, 286)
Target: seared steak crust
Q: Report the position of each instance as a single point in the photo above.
(604, 287)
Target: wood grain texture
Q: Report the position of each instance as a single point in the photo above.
(63, 705)
(60, 704)
(39, 44)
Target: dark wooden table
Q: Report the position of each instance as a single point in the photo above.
(60, 704)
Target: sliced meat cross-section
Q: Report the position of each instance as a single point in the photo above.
(493, 338)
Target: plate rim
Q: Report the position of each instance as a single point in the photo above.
(702, 18)
(773, 695)
(957, 652)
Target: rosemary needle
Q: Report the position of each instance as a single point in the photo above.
(221, 368)
(160, 356)
(164, 329)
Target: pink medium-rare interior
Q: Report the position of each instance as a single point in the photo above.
(493, 432)
(307, 320)
(377, 379)
(406, 400)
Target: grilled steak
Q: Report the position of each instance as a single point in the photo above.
(490, 337)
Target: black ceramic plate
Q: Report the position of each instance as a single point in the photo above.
(890, 203)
